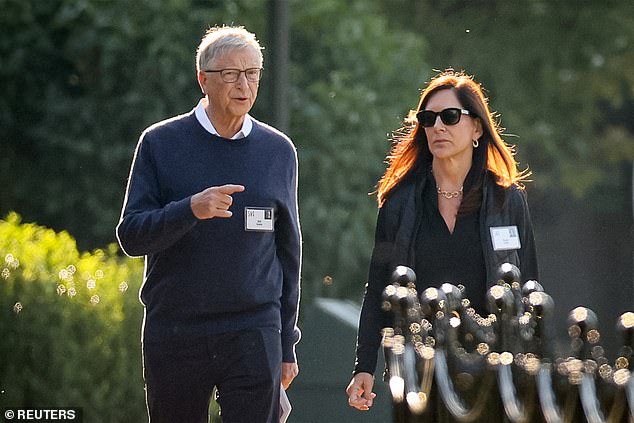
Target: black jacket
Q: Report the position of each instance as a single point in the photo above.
(397, 225)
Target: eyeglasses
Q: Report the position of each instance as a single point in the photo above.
(232, 75)
(450, 116)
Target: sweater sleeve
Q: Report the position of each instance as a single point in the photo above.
(289, 251)
(147, 225)
(373, 319)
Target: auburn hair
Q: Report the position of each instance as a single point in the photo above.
(410, 150)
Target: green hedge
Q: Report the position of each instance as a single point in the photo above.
(69, 325)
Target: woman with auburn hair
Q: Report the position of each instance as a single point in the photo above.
(451, 206)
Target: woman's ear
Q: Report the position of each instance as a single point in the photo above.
(477, 130)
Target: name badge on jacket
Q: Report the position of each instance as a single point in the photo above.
(505, 238)
(258, 219)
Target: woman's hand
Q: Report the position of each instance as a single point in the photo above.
(360, 395)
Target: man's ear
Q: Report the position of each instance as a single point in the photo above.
(202, 77)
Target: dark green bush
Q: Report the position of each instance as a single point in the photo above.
(69, 325)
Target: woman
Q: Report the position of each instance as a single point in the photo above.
(451, 206)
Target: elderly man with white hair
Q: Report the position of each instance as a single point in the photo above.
(211, 203)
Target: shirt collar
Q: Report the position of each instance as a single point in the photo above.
(203, 119)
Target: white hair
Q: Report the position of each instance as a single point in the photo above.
(220, 39)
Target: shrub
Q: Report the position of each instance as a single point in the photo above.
(70, 325)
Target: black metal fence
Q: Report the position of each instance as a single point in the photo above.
(446, 363)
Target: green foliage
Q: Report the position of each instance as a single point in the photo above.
(82, 78)
(354, 79)
(80, 81)
(87, 76)
(70, 325)
(560, 75)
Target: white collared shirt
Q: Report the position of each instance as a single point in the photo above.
(201, 115)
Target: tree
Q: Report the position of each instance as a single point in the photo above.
(80, 81)
(557, 74)
(354, 79)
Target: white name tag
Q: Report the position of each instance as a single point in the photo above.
(258, 219)
(505, 238)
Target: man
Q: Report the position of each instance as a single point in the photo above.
(211, 203)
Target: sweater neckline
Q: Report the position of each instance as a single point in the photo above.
(227, 141)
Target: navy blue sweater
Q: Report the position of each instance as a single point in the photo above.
(211, 276)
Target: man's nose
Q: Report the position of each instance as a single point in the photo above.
(242, 79)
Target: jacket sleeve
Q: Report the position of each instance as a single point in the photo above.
(288, 244)
(528, 253)
(147, 225)
(373, 319)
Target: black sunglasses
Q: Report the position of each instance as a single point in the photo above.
(450, 116)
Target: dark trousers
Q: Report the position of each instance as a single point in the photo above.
(244, 367)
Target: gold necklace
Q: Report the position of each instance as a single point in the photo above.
(449, 194)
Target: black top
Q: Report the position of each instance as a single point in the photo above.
(398, 224)
(441, 256)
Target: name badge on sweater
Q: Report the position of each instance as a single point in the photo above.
(505, 238)
(258, 219)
